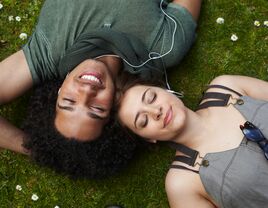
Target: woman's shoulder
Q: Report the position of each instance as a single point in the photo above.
(231, 83)
(177, 181)
(226, 80)
(184, 189)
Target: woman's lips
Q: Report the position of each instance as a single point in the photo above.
(168, 117)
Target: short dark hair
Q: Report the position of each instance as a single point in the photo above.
(103, 157)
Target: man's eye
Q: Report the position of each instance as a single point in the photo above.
(97, 109)
(70, 100)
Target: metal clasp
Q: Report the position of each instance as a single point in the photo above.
(204, 163)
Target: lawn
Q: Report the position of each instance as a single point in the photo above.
(141, 185)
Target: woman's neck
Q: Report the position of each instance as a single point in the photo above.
(194, 131)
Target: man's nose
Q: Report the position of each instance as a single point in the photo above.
(88, 90)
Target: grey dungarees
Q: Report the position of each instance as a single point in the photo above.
(237, 177)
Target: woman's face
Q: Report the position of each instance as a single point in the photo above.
(84, 101)
(152, 113)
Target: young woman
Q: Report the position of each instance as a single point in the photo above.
(215, 164)
(94, 40)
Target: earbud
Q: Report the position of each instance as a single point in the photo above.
(178, 94)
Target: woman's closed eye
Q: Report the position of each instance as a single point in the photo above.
(150, 97)
(142, 121)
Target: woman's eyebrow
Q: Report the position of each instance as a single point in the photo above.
(142, 100)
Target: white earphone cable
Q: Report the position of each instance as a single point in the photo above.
(155, 55)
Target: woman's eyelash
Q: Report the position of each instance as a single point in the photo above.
(144, 122)
(152, 98)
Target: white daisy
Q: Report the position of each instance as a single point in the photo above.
(220, 20)
(265, 23)
(1, 6)
(18, 187)
(234, 37)
(257, 23)
(23, 36)
(35, 197)
(18, 19)
(10, 18)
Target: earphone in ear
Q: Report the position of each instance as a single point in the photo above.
(155, 55)
(178, 94)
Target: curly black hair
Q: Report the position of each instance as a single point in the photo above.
(103, 157)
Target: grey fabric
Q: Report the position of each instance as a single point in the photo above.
(105, 41)
(62, 22)
(239, 177)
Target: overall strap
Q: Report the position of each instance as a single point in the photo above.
(221, 98)
(182, 167)
(225, 88)
(188, 158)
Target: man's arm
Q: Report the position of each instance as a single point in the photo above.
(11, 137)
(193, 6)
(15, 79)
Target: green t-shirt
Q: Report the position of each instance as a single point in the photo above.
(61, 22)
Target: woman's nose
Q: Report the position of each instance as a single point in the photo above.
(155, 112)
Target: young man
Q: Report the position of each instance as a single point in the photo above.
(94, 40)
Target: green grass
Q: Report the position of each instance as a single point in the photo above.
(141, 185)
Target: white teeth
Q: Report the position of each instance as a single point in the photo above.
(92, 78)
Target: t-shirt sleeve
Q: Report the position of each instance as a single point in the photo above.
(48, 42)
(39, 58)
(184, 37)
(185, 21)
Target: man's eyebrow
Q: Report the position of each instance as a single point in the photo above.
(68, 108)
(142, 100)
(90, 114)
(95, 116)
